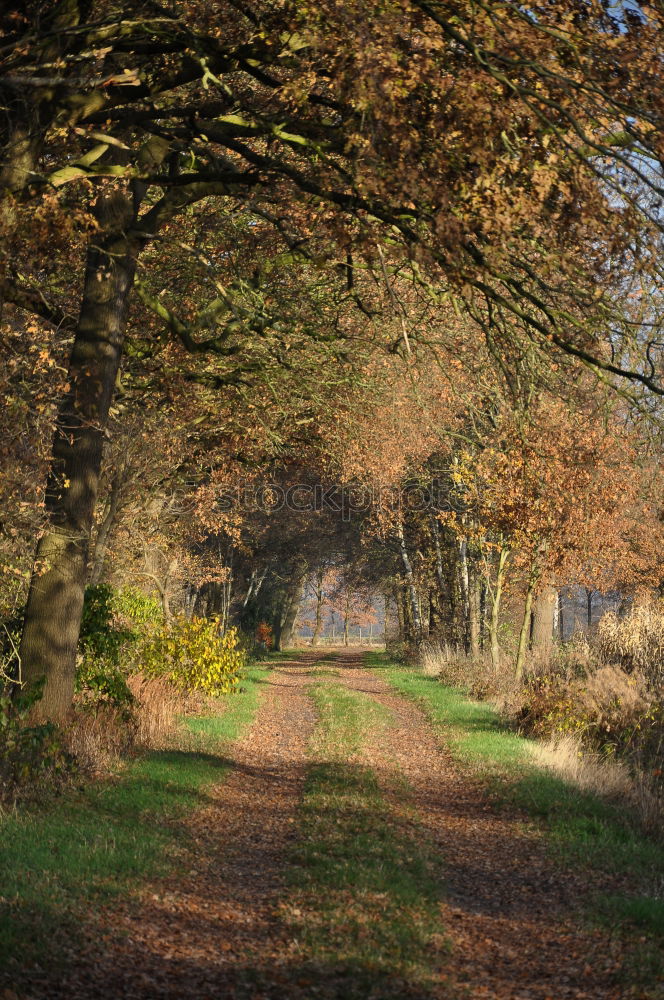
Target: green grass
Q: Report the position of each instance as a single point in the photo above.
(346, 719)
(107, 837)
(277, 655)
(365, 892)
(580, 827)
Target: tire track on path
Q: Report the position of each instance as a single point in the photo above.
(213, 930)
(508, 909)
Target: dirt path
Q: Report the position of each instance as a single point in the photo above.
(214, 930)
(507, 908)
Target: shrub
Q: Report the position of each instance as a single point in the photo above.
(477, 677)
(10, 637)
(136, 610)
(401, 651)
(550, 707)
(112, 625)
(101, 684)
(610, 709)
(30, 755)
(194, 656)
(263, 635)
(115, 619)
(101, 636)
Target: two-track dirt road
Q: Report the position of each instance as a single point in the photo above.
(215, 929)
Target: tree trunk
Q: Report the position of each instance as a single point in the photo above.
(20, 155)
(495, 608)
(410, 585)
(474, 616)
(55, 600)
(318, 627)
(561, 620)
(346, 616)
(545, 607)
(440, 574)
(482, 618)
(284, 631)
(435, 615)
(104, 532)
(525, 624)
(464, 582)
(401, 617)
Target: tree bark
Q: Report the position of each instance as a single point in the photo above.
(525, 624)
(410, 585)
(284, 631)
(346, 616)
(474, 616)
(561, 619)
(495, 608)
(104, 532)
(464, 582)
(401, 616)
(544, 613)
(318, 626)
(55, 599)
(482, 618)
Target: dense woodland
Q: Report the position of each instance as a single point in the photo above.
(410, 252)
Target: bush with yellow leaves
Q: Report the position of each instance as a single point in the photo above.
(194, 656)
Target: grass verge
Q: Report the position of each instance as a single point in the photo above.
(61, 861)
(580, 827)
(365, 893)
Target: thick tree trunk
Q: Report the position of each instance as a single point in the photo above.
(283, 634)
(544, 613)
(495, 608)
(55, 600)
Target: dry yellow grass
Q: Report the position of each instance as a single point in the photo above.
(157, 706)
(601, 776)
(637, 640)
(98, 738)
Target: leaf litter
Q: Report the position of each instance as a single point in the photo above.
(216, 926)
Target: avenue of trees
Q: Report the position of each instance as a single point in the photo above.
(405, 256)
